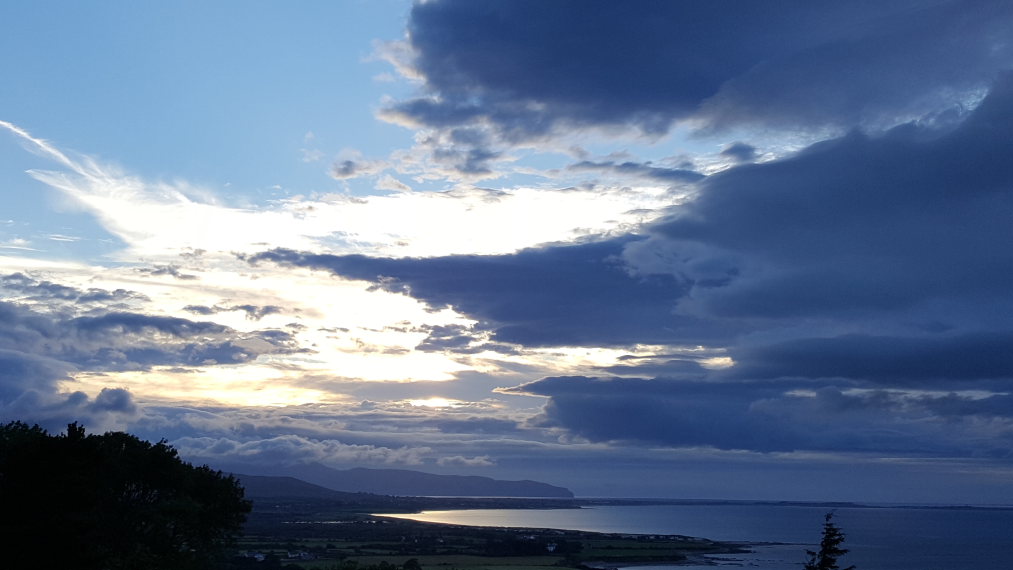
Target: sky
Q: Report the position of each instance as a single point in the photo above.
(697, 249)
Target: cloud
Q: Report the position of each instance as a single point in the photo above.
(867, 280)
(389, 183)
(114, 400)
(30, 391)
(449, 337)
(669, 366)
(674, 176)
(851, 298)
(552, 296)
(171, 270)
(854, 232)
(894, 361)
(21, 372)
(387, 432)
(133, 323)
(460, 461)
(35, 289)
(859, 288)
(785, 416)
(740, 152)
(42, 348)
(524, 69)
(349, 168)
(145, 215)
(253, 312)
(36, 361)
(476, 425)
(49, 357)
(293, 449)
(110, 409)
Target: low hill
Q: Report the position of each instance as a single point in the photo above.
(315, 481)
(266, 486)
(404, 482)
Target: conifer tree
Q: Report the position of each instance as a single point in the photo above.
(110, 502)
(830, 548)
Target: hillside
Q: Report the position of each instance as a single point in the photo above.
(403, 482)
(266, 486)
(317, 481)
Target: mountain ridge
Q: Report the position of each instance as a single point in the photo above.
(315, 480)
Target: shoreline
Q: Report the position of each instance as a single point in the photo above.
(370, 538)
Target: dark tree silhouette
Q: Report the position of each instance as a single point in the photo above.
(110, 502)
(830, 548)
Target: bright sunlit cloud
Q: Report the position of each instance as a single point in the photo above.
(435, 402)
(158, 220)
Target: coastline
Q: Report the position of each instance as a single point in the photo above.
(771, 536)
(641, 550)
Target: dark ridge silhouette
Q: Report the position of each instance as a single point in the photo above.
(397, 482)
(267, 487)
(404, 482)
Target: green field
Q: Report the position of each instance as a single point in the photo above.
(310, 536)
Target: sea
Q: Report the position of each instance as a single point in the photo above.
(879, 537)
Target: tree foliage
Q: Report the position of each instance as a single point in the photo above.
(110, 502)
(830, 548)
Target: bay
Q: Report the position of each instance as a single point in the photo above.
(880, 537)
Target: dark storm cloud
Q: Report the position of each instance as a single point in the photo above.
(114, 400)
(459, 339)
(110, 409)
(860, 286)
(680, 414)
(29, 391)
(460, 153)
(953, 405)
(20, 372)
(469, 162)
(528, 67)
(253, 312)
(888, 250)
(124, 340)
(897, 361)
(447, 337)
(475, 425)
(42, 347)
(171, 270)
(740, 152)
(871, 263)
(39, 290)
(878, 259)
(773, 416)
(660, 365)
(863, 284)
(853, 226)
(577, 294)
(136, 323)
(876, 272)
(638, 170)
